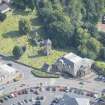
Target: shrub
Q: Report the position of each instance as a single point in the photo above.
(18, 51)
(2, 17)
(24, 27)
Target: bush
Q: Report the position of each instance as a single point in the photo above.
(2, 17)
(42, 74)
(18, 51)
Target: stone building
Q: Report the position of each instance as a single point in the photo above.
(73, 65)
(46, 47)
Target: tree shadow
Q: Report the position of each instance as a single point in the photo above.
(36, 21)
(11, 34)
(67, 76)
(7, 58)
(35, 56)
(20, 12)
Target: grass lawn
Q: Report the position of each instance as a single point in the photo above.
(9, 37)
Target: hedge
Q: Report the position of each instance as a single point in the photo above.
(42, 74)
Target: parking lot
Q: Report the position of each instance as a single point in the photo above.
(42, 95)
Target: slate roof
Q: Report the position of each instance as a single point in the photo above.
(73, 58)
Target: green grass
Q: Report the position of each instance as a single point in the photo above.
(41, 74)
(101, 66)
(9, 37)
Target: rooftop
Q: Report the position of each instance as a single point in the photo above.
(73, 57)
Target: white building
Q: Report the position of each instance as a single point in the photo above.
(6, 72)
(74, 65)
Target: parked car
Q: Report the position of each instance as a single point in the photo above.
(9, 64)
(37, 103)
(5, 98)
(1, 101)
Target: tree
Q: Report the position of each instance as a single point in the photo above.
(24, 26)
(19, 4)
(2, 17)
(73, 24)
(102, 53)
(94, 44)
(93, 48)
(60, 33)
(18, 51)
(31, 4)
(101, 37)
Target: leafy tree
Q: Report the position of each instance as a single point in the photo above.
(94, 45)
(23, 4)
(24, 26)
(60, 33)
(91, 49)
(2, 17)
(18, 51)
(101, 37)
(31, 4)
(102, 53)
(19, 4)
(81, 37)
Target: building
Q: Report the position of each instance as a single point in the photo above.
(103, 19)
(73, 65)
(6, 72)
(47, 47)
(73, 100)
(4, 6)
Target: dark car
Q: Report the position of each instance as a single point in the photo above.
(9, 96)
(56, 100)
(37, 103)
(5, 98)
(9, 64)
(1, 101)
(36, 92)
(25, 101)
